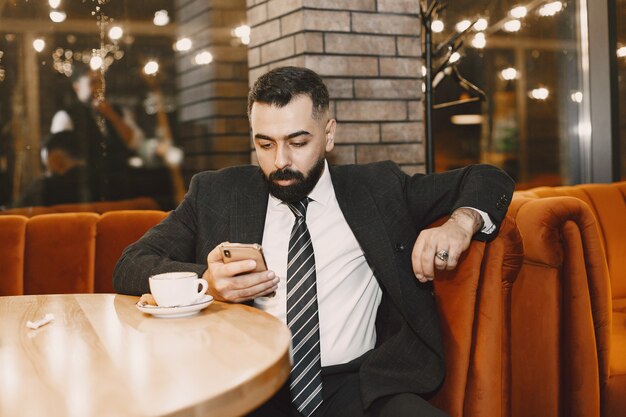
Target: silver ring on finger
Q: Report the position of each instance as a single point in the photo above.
(442, 255)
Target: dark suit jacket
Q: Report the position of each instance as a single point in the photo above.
(384, 207)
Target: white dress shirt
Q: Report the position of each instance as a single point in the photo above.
(348, 294)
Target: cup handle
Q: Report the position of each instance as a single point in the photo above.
(205, 287)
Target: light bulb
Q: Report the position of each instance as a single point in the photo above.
(550, 9)
(463, 25)
(540, 93)
(481, 24)
(577, 97)
(519, 12)
(508, 74)
(512, 25)
(161, 18)
(203, 58)
(95, 63)
(54, 3)
(183, 44)
(151, 68)
(116, 33)
(454, 57)
(57, 17)
(39, 44)
(437, 26)
(479, 41)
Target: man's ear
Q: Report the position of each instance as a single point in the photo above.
(329, 131)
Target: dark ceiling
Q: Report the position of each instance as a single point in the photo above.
(82, 9)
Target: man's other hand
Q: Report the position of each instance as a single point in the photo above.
(233, 283)
(440, 247)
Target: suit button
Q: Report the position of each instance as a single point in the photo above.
(399, 247)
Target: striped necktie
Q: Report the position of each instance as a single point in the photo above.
(302, 317)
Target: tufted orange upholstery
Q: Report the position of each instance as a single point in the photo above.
(569, 302)
(116, 230)
(12, 239)
(60, 253)
(474, 303)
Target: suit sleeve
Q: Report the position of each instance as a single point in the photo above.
(169, 246)
(483, 187)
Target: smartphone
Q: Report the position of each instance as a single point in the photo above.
(232, 252)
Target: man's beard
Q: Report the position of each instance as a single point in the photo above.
(300, 188)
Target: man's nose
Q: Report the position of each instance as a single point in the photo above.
(282, 158)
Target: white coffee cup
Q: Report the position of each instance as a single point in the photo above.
(172, 289)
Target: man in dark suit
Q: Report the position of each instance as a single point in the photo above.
(350, 261)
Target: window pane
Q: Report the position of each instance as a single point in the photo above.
(621, 77)
(531, 76)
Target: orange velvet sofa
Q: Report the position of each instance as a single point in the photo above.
(569, 302)
(76, 253)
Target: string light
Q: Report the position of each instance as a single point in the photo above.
(454, 57)
(183, 44)
(512, 25)
(479, 41)
(550, 9)
(519, 12)
(540, 93)
(243, 33)
(621, 52)
(508, 74)
(463, 25)
(437, 26)
(577, 97)
(95, 63)
(151, 68)
(116, 33)
(57, 16)
(203, 58)
(161, 18)
(39, 44)
(481, 24)
(54, 3)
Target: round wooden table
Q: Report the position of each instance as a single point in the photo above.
(103, 357)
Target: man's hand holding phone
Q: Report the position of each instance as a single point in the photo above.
(237, 273)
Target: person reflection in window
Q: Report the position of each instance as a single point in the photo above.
(106, 136)
(66, 179)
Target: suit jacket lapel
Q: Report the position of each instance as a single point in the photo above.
(247, 218)
(361, 213)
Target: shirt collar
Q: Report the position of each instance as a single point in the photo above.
(320, 194)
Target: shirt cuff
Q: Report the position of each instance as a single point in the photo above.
(488, 226)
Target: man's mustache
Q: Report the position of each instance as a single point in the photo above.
(286, 174)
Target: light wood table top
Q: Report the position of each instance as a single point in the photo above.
(103, 357)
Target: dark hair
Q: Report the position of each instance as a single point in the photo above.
(280, 85)
(66, 141)
(78, 71)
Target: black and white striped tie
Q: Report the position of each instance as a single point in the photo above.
(302, 317)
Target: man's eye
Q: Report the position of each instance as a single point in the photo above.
(265, 145)
(298, 144)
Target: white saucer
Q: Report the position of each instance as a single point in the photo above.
(175, 312)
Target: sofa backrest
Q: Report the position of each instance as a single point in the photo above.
(561, 310)
(67, 252)
(12, 242)
(608, 204)
(116, 230)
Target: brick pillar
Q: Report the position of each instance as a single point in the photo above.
(368, 52)
(213, 125)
